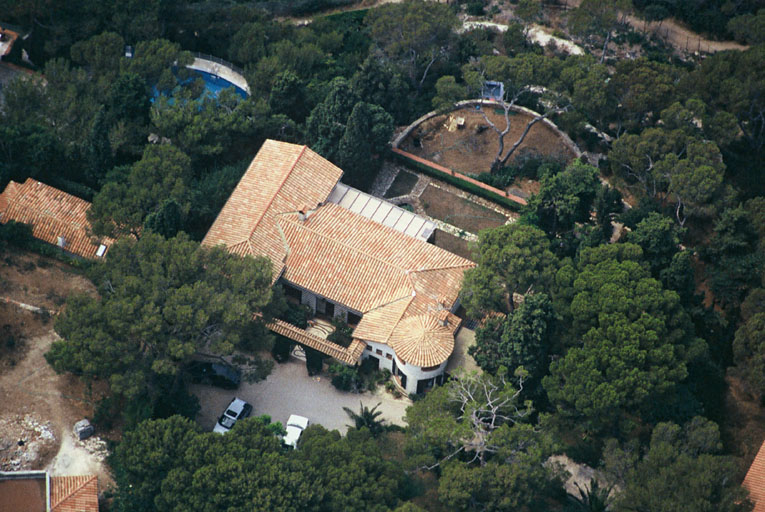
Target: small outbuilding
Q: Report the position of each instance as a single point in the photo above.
(56, 217)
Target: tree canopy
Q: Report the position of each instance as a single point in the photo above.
(169, 465)
(160, 302)
(511, 259)
(632, 343)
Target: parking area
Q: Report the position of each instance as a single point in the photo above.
(289, 390)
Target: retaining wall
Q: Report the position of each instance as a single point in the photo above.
(462, 181)
(472, 103)
(466, 182)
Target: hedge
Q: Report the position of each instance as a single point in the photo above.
(457, 182)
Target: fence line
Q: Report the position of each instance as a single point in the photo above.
(218, 60)
(463, 181)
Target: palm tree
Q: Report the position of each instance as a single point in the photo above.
(592, 498)
(367, 418)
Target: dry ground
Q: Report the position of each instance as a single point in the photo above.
(469, 152)
(462, 213)
(39, 407)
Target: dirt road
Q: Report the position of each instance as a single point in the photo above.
(677, 34)
(38, 407)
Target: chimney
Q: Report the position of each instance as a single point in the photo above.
(443, 318)
(303, 213)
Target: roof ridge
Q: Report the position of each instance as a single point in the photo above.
(443, 267)
(278, 189)
(76, 489)
(380, 306)
(346, 245)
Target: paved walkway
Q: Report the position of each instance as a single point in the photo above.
(289, 390)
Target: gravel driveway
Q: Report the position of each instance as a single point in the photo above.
(289, 390)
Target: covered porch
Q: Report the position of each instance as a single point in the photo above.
(315, 337)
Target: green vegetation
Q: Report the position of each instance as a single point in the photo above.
(161, 301)
(611, 346)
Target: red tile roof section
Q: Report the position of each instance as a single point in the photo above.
(348, 355)
(755, 481)
(52, 214)
(282, 177)
(388, 276)
(74, 493)
(337, 254)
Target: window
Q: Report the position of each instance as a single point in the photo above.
(101, 250)
(353, 318)
(431, 368)
(388, 356)
(378, 352)
(291, 291)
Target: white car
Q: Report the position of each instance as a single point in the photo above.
(295, 426)
(238, 409)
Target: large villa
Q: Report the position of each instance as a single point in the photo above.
(346, 254)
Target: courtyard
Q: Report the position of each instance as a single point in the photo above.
(290, 390)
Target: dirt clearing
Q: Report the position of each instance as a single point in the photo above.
(38, 407)
(471, 149)
(457, 211)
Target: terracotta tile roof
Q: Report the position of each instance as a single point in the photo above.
(52, 214)
(74, 493)
(755, 481)
(423, 339)
(374, 269)
(348, 355)
(340, 255)
(282, 178)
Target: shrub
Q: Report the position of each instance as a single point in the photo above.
(296, 314)
(342, 335)
(281, 349)
(314, 361)
(475, 8)
(346, 378)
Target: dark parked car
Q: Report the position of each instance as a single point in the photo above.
(214, 374)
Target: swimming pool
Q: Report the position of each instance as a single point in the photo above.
(213, 86)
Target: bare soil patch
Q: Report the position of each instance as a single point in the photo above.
(38, 407)
(471, 149)
(462, 213)
(451, 243)
(402, 184)
(39, 280)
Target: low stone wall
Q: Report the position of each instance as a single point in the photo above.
(221, 70)
(461, 177)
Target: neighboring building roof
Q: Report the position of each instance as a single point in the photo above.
(74, 493)
(282, 177)
(755, 481)
(34, 491)
(23, 491)
(278, 210)
(56, 217)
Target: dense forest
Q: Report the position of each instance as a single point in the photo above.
(616, 350)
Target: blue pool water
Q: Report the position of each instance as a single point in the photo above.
(213, 86)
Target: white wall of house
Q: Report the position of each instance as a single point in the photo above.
(414, 374)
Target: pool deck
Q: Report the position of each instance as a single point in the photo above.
(220, 70)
